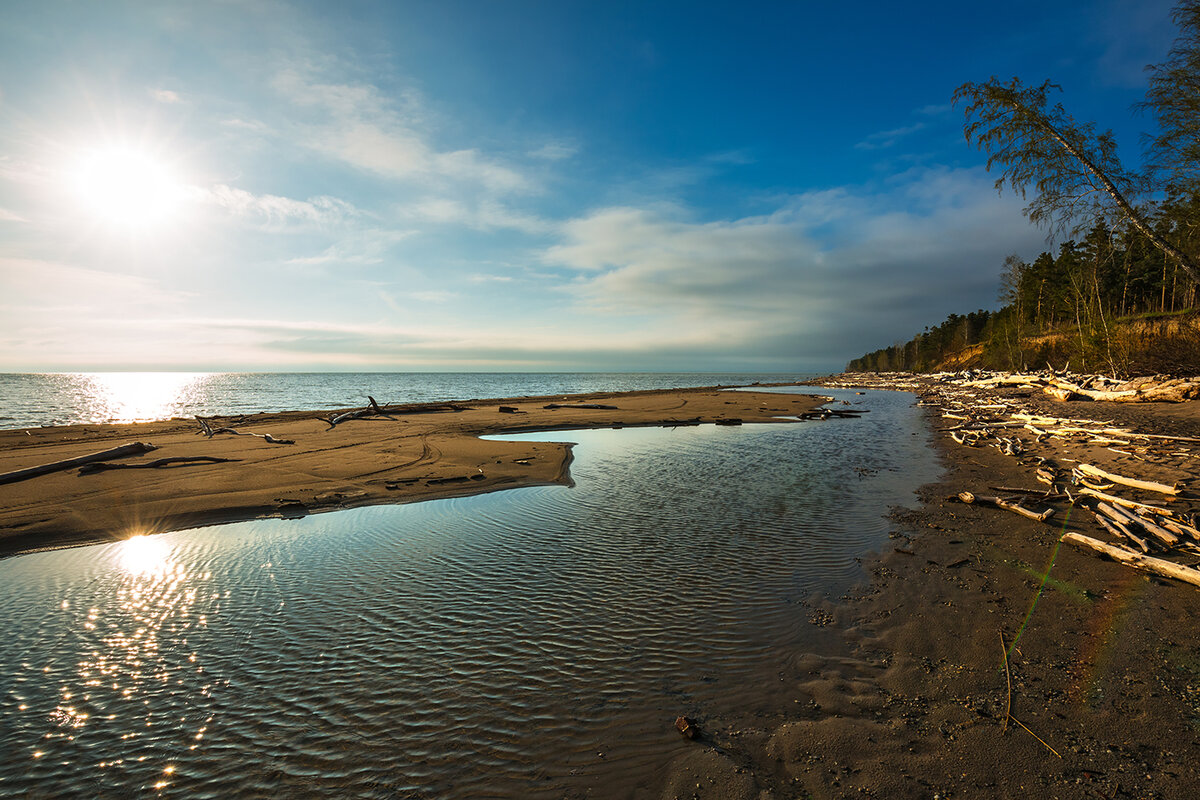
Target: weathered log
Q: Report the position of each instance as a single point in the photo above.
(132, 449)
(88, 469)
(1134, 483)
(552, 406)
(209, 431)
(1120, 531)
(1158, 566)
(1121, 501)
(969, 498)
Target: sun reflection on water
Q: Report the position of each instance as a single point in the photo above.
(139, 396)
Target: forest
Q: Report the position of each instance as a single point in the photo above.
(1118, 294)
(1110, 302)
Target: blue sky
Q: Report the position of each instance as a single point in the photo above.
(516, 185)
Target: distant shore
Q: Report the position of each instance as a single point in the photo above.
(404, 454)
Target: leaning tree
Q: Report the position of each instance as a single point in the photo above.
(1072, 171)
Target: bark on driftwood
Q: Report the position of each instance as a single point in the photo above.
(132, 449)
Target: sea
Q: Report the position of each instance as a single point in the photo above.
(29, 400)
(530, 643)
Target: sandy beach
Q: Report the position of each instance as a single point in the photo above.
(414, 452)
(1094, 693)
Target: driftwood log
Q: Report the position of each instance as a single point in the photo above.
(210, 432)
(1157, 566)
(101, 466)
(132, 449)
(1133, 483)
(999, 502)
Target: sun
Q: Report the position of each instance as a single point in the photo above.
(126, 188)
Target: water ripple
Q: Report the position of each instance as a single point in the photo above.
(476, 647)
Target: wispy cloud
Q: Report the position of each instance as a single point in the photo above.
(269, 209)
(8, 216)
(883, 139)
(554, 151)
(388, 135)
(165, 96)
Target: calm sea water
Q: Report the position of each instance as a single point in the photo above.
(530, 643)
(30, 400)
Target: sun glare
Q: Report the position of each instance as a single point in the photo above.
(126, 188)
(144, 555)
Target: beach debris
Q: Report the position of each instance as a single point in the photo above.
(209, 431)
(510, 410)
(687, 727)
(553, 406)
(1007, 505)
(729, 421)
(1149, 486)
(372, 409)
(131, 449)
(1121, 503)
(173, 461)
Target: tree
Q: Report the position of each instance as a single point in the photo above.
(1173, 99)
(1074, 171)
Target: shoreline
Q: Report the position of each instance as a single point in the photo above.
(1099, 667)
(415, 452)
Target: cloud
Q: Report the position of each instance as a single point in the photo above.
(883, 139)
(165, 96)
(8, 216)
(269, 209)
(388, 135)
(479, 214)
(825, 275)
(554, 151)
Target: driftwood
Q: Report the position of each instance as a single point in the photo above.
(999, 502)
(210, 431)
(1119, 530)
(1157, 566)
(553, 406)
(1148, 486)
(370, 410)
(132, 449)
(88, 469)
(1121, 501)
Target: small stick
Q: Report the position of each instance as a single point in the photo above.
(1008, 681)
(1034, 735)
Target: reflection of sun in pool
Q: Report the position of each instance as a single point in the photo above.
(144, 555)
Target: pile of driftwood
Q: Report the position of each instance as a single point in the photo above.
(1143, 533)
(1064, 386)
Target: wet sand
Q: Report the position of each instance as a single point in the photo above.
(910, 701)
(417, 452)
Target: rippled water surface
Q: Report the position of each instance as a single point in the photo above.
(489, 646)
